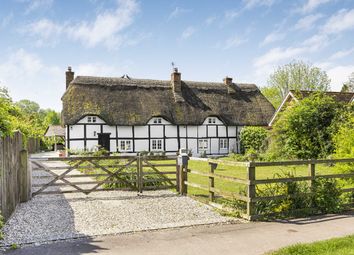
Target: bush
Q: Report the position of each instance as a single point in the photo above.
(305, 129)
(299, 200)
(327, 196)
(253, 138)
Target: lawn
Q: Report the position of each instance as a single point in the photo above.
(337, 246)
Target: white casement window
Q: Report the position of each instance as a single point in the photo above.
(125, 145)
(202, 144)
(223, 144)
(91, 119)
(156, 144)
(211, 120)
(157, 121)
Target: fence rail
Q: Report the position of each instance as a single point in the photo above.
(250, 182)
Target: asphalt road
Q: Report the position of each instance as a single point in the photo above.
(249, 238)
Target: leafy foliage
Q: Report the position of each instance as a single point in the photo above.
(253, 138)
(305, 130)
(296, 75)
(25, 116)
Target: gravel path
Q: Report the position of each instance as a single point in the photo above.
(53, 217)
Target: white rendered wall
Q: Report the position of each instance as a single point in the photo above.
(189, 136)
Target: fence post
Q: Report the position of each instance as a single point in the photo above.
(183, 173)
(312, 174)
(140, 174)
(251, 191)
(211, 181)
(178, 169)
(25, 177)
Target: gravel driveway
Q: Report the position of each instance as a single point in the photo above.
(64, 216)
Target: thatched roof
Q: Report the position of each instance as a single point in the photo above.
(55, 130)
(341, 97)
(125, 101)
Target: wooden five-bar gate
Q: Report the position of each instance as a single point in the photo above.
(58, 175)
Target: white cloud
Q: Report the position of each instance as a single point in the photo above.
(6, 20)
(339, 75)
(178, 11)
(46, 31)
(234, 42)
(342, 53)
(38, 4)
(249, 4)
(188, 32)
(340, 22)
(210, 20)
(307, 22)
(27, 77)
(273, 37)
(311, 5)
(107, 28)
(278, 54)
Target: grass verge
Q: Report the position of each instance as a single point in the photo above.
(336, 246)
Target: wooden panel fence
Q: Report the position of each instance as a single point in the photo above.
(15, 175)
(33, 145)
(250, 197)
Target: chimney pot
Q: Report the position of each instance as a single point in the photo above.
(69, 76)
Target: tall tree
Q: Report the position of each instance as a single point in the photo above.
(296, 75)
(349, 85)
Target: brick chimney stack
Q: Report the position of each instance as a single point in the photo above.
(229, 84)
(176, 80)
(69, 76)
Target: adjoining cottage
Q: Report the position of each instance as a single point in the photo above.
(133, 115)
(341, 97)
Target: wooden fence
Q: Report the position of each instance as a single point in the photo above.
(15, 175)
(33, 145)
(250, 198)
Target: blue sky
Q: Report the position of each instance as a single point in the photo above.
(207, 40)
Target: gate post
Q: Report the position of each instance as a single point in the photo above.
(25, 177)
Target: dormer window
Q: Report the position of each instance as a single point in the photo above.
(91, 119)
(211, 120)
(157, 120)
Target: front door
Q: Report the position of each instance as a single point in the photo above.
(104, 141)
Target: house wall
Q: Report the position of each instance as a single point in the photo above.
(84, 136)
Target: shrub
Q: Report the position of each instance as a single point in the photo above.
(253, 138)
(300, 199)
(100, 153)
(305, 129)
(327, 196)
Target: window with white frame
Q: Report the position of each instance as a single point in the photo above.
(91, 119)
(156, 144)
(125, 145)
(212, 120)
(223, 144)
(157, 121)
(202, 144)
